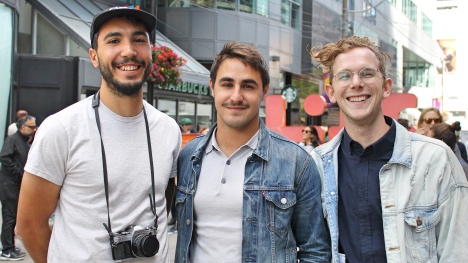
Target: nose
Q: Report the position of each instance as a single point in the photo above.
(237, 93)
(356, 80)
(128, 50)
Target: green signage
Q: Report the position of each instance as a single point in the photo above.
(189, 87)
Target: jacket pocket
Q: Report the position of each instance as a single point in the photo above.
(420, 236)
(279, 210)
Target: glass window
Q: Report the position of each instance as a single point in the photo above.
(410, 10)
(204, 115)
(290, 13)
(261, 7)
(168, 106)
(295, 15)
(50, 41)
(179, 3)
(6, 57)
(246, 6)
(226, 4)
(426, 24)
(206, 3)
(285, 12)
(186, 110)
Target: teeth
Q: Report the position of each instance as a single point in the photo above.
(128, 68)
(361, 98)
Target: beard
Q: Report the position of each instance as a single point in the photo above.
(122, 89)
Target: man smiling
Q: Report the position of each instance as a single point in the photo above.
(96, 162)
(245, 193)
(388, 195)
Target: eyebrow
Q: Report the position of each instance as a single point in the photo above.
(244, 81)
(118, 34)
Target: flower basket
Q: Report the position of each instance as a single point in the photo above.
(166, 66)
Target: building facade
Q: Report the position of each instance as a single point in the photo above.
(282, 30)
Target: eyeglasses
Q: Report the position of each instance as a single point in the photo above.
(430, 120)
(31, 127)
(306, 131)
(367, 75)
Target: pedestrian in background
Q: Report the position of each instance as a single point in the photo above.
(245, 193)
(310, 138)
(186, 125)
(428, 118)
(446, 133)
(13, 128)
(13, 157)
(103, 164)
(389, 195)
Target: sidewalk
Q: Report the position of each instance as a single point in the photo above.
(171, 238)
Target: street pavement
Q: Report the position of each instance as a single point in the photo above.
(171, 238)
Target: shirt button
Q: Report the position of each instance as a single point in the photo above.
(284, 200)
(228, 162)
(223, 181)
(332, 193)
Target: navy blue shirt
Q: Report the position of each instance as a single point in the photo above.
(359, 207)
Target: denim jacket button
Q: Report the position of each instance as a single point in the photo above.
(187, 222)
(284, 200)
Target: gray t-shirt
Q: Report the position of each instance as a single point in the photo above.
(67, 152)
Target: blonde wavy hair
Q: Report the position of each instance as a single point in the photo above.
(326, 55)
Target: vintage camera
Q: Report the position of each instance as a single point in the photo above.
(133, 242)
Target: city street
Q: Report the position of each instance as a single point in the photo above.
(172, 244)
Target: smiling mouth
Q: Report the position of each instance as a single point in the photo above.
(358, 98)
(128, 68)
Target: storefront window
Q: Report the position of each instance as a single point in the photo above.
(168, 106)
(186, 109)
(204, 115)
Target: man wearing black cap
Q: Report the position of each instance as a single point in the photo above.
(103, 164)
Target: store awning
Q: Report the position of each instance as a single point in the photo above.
(74, 18)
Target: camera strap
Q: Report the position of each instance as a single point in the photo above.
(108, 227)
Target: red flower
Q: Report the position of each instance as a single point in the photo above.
(166, 66)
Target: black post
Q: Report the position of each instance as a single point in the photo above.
(151, 85)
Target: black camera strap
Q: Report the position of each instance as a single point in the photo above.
(108, 227)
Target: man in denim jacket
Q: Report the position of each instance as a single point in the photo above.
(245, 193)
(388, 195)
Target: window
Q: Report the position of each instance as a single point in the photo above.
(410, 10)
(179, 3)
(426, 24)
(226, 4)
(290, 13)
(204, 3)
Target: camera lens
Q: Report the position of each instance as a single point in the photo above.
(145, 245)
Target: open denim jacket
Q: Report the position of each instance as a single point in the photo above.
(282, 208)
(424, 195)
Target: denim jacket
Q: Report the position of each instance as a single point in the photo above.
(282, 209)
(424, 195)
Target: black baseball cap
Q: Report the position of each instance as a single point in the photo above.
(148, 19)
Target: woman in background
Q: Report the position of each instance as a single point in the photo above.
(446, 133)
(428, 118)
(310, 137)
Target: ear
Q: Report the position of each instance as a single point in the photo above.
(387, 88)
(330, 92)
(265, 91)
(93, 57)
(212, 87)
